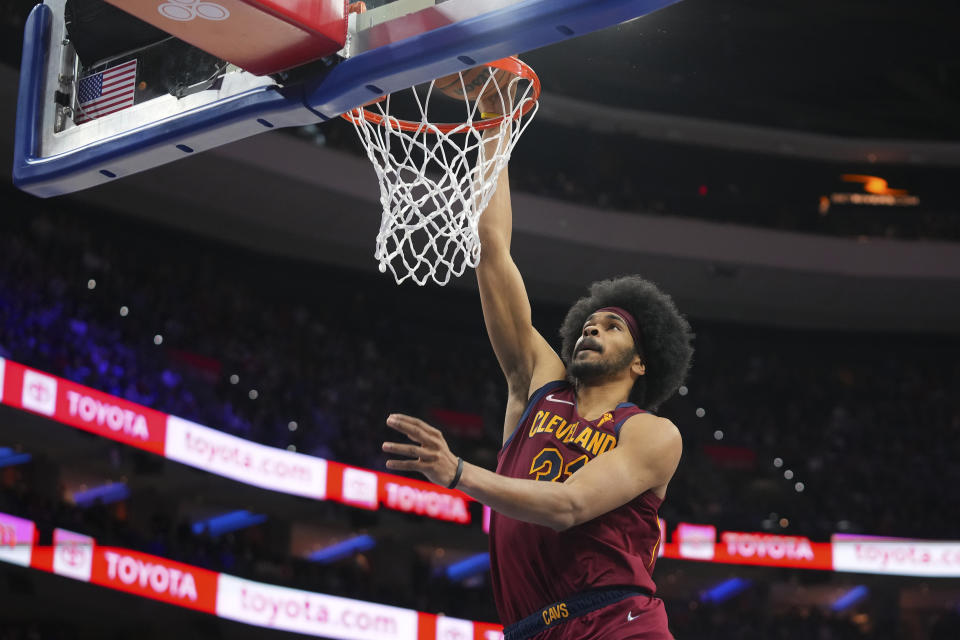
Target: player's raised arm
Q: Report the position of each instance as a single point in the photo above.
(526, 358)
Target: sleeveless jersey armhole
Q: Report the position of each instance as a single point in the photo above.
(535, 397)
(619, 425)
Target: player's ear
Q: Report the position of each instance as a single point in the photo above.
(637, 366)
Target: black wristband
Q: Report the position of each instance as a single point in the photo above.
(456, 478)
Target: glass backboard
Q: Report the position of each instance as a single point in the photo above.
(174, 99)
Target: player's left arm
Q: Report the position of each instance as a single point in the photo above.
(645, 457)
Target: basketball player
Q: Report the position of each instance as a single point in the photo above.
(584, 465)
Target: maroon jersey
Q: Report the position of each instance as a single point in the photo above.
(533, 566)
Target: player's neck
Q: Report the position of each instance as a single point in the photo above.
(596, 399)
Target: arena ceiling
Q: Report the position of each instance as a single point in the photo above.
(861, 68)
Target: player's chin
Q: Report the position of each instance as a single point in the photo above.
(586, 368)
(587, 359)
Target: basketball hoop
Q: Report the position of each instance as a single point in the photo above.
(437, 178)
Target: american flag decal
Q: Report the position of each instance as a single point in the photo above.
(106, 92)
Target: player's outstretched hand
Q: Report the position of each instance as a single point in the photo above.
(430, 455)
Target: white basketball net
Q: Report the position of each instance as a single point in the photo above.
(434, 184)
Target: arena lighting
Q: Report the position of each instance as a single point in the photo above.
(469, 567)
(342, 549)
(10, 458)
(227, 522)
(873, 184)
(104, 494)
(725, 590)
(850, 598)
(876, 192)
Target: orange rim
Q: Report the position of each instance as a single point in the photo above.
(513, 65)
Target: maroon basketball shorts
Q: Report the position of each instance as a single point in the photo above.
(603, 614)
(636, 618)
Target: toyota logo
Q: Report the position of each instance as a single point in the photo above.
(39, 391)
(8, 536)
(72, 553)
(186, 10)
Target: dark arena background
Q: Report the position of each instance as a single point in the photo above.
(196, 361)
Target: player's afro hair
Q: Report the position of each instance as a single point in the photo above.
(665, 334)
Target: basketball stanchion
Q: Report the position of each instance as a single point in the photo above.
(436, 176)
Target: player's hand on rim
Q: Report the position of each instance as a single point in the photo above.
(498, 97)
(430, 455)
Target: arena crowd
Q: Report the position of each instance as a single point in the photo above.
(309, 357)
(305, 356)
